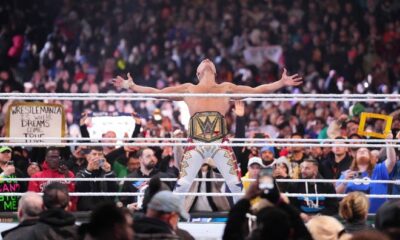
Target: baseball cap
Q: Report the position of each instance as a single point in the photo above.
(254, 160)
(166, 201)
(268, 148)
(3, 149)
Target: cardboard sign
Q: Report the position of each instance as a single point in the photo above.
(363, 118)
(259, 55)
(35, 120)
(120, 123)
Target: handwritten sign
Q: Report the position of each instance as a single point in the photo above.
(35, 120)
(363, 118)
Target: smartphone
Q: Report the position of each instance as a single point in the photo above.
(265, 179)
(10, 163)
(357, 174)
(101, 162)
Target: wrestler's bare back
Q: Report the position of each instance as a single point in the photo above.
(202, 104)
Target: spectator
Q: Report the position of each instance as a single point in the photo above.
(267, 155)
(97, 167)
(147, 169)
(296, 156)
(354, 210)
(313, 205)
(387, 219)
(333, 166)
(363, 168)
(110, 222)
(282, 170)
(254, 166)
(369, 235)
(326, 228)
(133, 162)
(117, 157)
(53, 169)
(207, 203)
(162, 216)
(29, 208)
(33, 168)
(55, 222)
(8, 170)
(279, 221)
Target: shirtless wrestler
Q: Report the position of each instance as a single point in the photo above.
(207, 123)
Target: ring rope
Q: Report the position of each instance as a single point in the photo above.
(252, 97)
(120, 194)
(213, 144)
(288, 95)
(361, 180)
(230, 139)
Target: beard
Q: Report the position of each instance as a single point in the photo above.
(150, 165)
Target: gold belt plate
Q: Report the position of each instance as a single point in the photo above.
(207, 126)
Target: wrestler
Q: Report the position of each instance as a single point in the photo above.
(207, 123)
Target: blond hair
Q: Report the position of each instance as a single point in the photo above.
(325, 228)
(354, 207)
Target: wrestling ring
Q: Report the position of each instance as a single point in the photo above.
(213, 232)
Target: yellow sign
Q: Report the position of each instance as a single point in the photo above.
(363, 118)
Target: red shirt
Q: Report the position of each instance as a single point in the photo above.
(38, 186)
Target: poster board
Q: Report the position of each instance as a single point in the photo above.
(120, 123)
(34, 121)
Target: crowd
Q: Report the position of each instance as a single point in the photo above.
(337, 46)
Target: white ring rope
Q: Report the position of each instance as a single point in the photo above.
(252, 97)
(286, 140)
(361, 180)
(213, 144)
(120, 194)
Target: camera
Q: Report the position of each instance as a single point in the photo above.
(10, 163)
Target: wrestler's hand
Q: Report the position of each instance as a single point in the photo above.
(123, 83)
(239, 108)
(137, 118)
(293, 80)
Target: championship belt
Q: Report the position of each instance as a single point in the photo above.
(207, 126)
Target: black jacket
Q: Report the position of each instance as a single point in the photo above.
(89, 203)
(20, 231)
(352, 227)
(54, 224)
(236, 226)
(327, 206)
(152, 228)
(330, 169)
(132, 186)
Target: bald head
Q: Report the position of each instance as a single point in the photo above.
(206, 66)
(30, 206)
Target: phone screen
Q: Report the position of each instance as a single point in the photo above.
(265, 179)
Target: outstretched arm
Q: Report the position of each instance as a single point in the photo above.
(293, 80)
(129, 84)
(390, 162)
